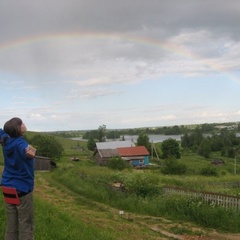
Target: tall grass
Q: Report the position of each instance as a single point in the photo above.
(53, 222)
(2, 218)
(208, 215)
(142, 195)
(95, 183)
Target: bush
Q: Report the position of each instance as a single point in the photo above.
(170, 148)
(91, 145)
(172, 166)
(47, 146)
(209, 171)
(142, 185)
(117, 163)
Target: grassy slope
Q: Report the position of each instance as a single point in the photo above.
(62, 214)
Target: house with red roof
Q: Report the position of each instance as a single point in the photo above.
(107, 150)
(135, 156)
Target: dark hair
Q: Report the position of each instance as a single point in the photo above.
(13, 127)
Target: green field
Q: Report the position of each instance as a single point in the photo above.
(77, 201)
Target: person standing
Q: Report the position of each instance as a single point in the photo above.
(18, 173)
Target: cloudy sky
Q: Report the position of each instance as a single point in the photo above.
(79, 64)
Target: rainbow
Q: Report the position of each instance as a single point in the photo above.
(42, 38)
(148, 42)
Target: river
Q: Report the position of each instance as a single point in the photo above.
(152, 138)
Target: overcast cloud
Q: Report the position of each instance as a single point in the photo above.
(68, 65)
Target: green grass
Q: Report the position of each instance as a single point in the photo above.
(76, 201)
(52, 223)
(92, 183)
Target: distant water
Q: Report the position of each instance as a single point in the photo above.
(152, 138)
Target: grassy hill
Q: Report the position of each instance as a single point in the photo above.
(76, 201)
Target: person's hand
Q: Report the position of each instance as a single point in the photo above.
(30, 151)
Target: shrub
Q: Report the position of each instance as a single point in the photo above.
(209, 171)
(47, 146)
(172, 166)
(142, 185)
(91, 145)
(117, 163)
(170, 148)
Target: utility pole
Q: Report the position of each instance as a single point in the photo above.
(235, 165)
(152, 151)
(155, 150)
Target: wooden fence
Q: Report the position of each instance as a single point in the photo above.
(224, 200)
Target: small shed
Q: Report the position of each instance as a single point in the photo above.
(43, 163)
(217, 162)
(102, 155)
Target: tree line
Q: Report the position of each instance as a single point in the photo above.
(194, 139)
(225, 142)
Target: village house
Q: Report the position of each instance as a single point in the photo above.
(134, 155)
(106, 150)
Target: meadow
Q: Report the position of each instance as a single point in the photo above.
(77, 200)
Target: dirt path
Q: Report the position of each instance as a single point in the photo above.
(162, 228)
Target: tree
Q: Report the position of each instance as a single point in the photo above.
(186, 141)
(91, 145)
(102, 133)
(90, 134)
(170, 148)
(196, 138)
(229, 138)
(204, 148)
(143, 140)
(113, 134)
(217, 142)
(207, 128)
(47, 146)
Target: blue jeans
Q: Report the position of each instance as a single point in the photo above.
(20, 219)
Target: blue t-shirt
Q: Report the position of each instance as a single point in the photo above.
(18, 167)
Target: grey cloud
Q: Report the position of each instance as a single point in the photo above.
(119, 57)
(25, 17)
